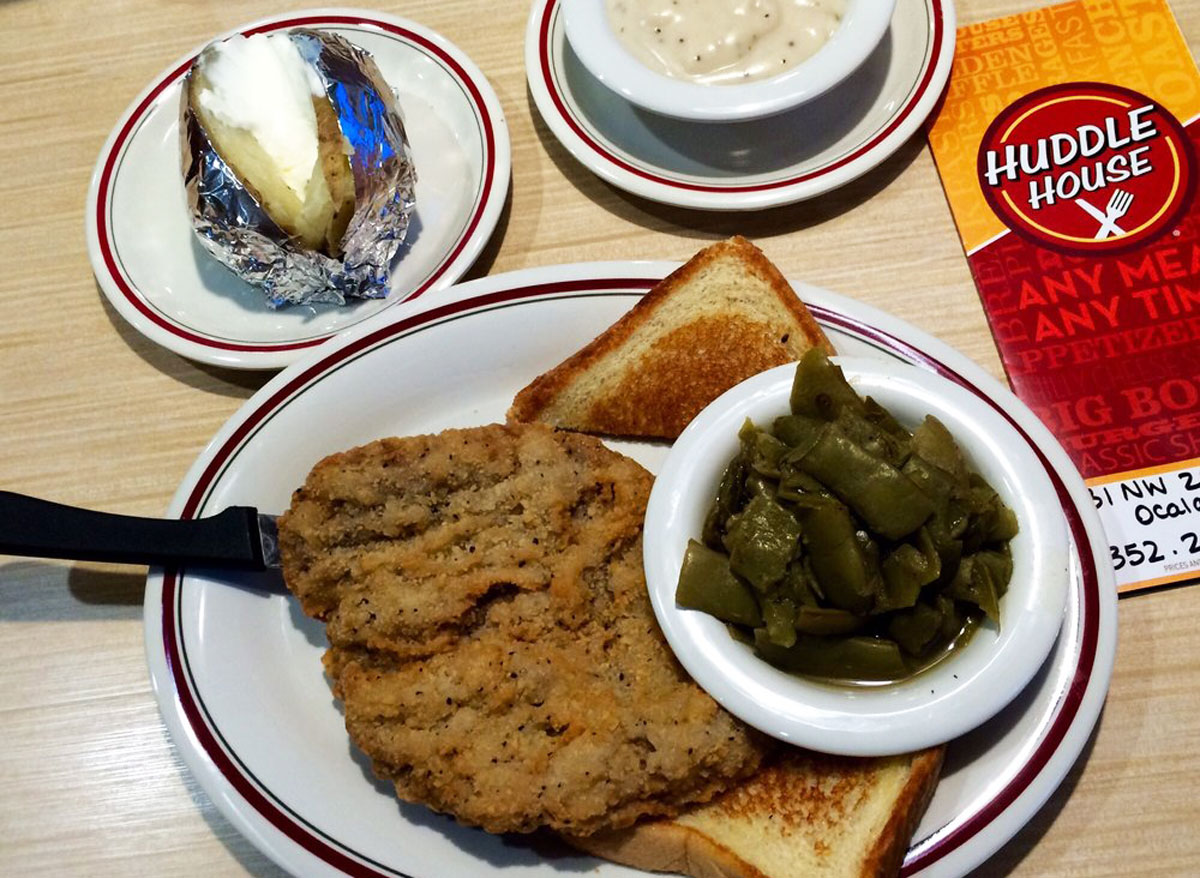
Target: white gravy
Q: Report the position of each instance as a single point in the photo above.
(723, 42)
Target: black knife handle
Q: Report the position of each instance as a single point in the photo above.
(41, 529)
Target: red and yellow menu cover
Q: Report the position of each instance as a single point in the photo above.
(1067, 146)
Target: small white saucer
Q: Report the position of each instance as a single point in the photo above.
(159, 278)
(746, 165)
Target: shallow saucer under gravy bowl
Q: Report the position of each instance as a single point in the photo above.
(936, 704)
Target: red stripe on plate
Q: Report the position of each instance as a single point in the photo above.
(939, 28)
(286, 823)
(304, 836)
(1068, 706)
(102, 195)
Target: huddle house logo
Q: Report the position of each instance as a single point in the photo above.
(1086, 168)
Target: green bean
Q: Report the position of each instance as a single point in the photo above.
(957, 625)
(999, 565)
(887, 500)
(793, 482)
(799, 583)
(779, 619)
(870, 550)
(847, 658)
(820, 620)
(872, 438)
(915, 629)
(881, 417)
(798, 433)
(950, 553)
(973, 583)
(758, 485)
(727, 503)
(954, 621)
(992, 521)
(838, 561)
(1002, 525)
(762, 541)
(907, 570)
(762, 450)
(820, 389)
(706, 583)
(935, 483)
(933, 442)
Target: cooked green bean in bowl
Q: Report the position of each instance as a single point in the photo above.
(866, 563)
(845, 546)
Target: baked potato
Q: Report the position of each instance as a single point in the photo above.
(296, 166)
(270, 121)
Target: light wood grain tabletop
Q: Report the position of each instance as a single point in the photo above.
(94, 414)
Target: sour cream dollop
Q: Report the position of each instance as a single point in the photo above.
(262, 84)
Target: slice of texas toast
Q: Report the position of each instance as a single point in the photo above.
(722, 317)
(805, 815)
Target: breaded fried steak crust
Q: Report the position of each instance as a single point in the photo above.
(490, 632)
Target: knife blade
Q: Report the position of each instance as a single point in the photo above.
(239, 537)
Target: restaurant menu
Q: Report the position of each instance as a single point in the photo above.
(1067, 148)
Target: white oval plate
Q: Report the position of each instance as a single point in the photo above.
(932, 707)
(160, 280)
(747, 165)
(237, 671)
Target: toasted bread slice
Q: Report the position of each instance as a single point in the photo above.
(722, 317)
(805, 815)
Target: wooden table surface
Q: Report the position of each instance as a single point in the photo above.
(94, 414)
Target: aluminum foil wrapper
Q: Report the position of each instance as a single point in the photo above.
(234, 228)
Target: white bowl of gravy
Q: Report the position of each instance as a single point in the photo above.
(723, 60)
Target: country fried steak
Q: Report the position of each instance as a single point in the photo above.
(491, 636)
